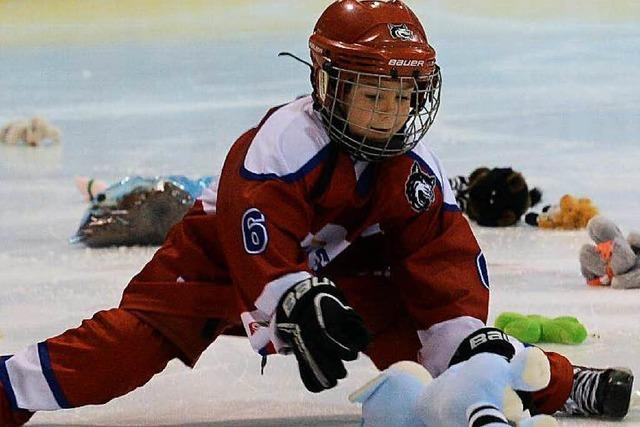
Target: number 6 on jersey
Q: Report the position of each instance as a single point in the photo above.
(254, 232)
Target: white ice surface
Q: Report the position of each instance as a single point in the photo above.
(558, 100)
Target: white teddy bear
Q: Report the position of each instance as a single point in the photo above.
(30, 131)
(478, 392)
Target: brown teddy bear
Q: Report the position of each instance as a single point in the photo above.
(571, 213)
(30, 131)
(495, 197)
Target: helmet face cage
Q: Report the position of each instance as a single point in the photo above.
(362, 140)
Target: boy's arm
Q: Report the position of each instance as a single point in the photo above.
(287, 309)
(442, 276)
(440, 272)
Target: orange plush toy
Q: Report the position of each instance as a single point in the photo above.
(571, 213)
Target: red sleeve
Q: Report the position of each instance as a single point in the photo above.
(439, 267)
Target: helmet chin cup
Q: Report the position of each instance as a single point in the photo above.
(323, 82)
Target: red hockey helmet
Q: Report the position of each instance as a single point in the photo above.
(372, 44)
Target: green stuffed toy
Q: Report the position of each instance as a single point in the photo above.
(534, 328)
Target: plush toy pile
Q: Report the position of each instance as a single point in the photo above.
(137, 210)
(405, 395)
(495, 197)
(33, 132)
(571, 213)
(613, 260)
(534, 328)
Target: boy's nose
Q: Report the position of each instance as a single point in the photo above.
(386, 104)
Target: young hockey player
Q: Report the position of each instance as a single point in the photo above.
(333, 231)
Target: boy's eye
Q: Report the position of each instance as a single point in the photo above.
(371, 97)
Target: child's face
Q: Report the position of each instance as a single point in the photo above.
(377, 110)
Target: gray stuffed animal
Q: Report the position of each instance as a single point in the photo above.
(613, 260)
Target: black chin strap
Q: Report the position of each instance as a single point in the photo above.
(297, 58)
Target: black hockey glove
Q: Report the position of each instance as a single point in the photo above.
(315, 320)
(484, 340)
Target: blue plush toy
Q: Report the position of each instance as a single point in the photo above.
(478, 392)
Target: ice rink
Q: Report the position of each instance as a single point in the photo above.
(552, 90)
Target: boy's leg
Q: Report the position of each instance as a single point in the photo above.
(361, 272)
(553, 397)
(393, 335)
(175, 307)
(105, 357)
(185, 291)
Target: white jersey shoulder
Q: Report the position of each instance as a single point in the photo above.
(287, 141)
(435, 165)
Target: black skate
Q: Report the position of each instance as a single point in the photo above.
(600, 392)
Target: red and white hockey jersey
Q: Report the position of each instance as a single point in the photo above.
(274, 232)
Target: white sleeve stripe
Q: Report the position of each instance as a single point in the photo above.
(30, 387)
(273, 291)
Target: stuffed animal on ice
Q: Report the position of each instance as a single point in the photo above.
(613, 260)
(534, 328)
(495, 197)
(571, 213)
(478, 392)
(136, 210)
(32, 132)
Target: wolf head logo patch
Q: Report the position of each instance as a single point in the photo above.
(420, 189)
(401, 32)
